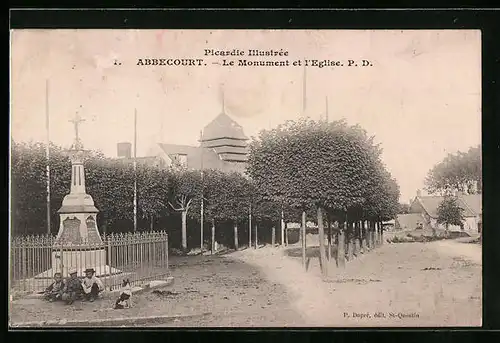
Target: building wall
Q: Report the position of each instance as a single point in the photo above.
(164, 160)
(471, 224)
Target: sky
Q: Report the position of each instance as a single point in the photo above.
(420, 98)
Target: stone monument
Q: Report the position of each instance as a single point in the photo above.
(78, 243)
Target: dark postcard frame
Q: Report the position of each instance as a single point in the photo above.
(488, 21)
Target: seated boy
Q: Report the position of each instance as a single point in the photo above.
(55, 290)
(92, 286)
(73, 288)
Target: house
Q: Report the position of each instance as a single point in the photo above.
(427, 206)
(414, 222)
(223, 146)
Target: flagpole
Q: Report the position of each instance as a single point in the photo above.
(304, 92)
(135, 170)
(202, 201)
(326, 108)
(47, 153)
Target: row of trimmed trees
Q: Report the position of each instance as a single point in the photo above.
(331, 168)
(166, 198)
(301, 170)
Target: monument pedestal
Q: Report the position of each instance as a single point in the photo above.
(83, 259)
(79, 259)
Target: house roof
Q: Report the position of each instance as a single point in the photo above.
(474, 202)
(223, 127)
(471, 203)
(430, 204)
(409, 221)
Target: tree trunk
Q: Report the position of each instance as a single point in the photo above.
(357, 238)
(286, 235)
(184, 229)
(341, 245)
(381, 234)
(273, 236)
(369, 236)
(364, 236)
(349, 241)
(151, 222)
(235, 235)
(282, 228)
(329, 225)
(213, 236)
(303, 238)
(366, 225)
(250, 228)
(373, 236)
(256, 236)
(380, 230)
(321, 233)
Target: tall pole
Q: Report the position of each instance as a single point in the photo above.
(222, 98)
(201, 207)
(304, 92)
(250, 226)
(326, 109)
(47, 152)
(135, 170)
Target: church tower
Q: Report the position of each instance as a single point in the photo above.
(226, 137)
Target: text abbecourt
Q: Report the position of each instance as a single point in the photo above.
(176, 62)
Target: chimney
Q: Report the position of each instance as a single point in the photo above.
(419, 193)
(124, 150)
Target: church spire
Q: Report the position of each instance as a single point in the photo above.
(223, 107)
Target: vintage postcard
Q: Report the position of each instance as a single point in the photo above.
(245, 178)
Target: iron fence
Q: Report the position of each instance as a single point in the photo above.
(138, 257)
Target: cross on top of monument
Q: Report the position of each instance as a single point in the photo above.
(76, 121)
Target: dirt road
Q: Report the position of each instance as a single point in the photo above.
(405, 284)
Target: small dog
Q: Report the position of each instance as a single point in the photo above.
(125, 299)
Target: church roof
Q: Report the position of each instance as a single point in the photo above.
(198, 157)
(223, 127)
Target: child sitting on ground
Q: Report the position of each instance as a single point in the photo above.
(55, 290)
(72, 288)
(125, 296)
(92, 286)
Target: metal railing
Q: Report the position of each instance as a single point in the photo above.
(138, 257)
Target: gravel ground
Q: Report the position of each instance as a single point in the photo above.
(235, 293)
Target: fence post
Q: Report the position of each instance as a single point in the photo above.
(61, 265)
(110, 256)
(166, 248)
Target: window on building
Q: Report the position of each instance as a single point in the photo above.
(183, 160)
(179, 160)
